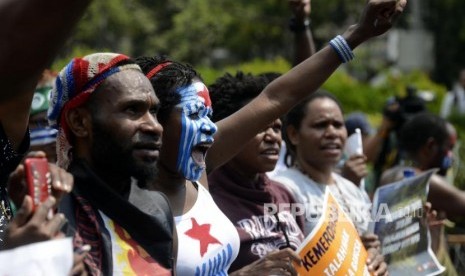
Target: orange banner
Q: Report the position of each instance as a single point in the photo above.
(333, 247)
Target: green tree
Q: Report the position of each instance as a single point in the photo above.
(113, 25)
(445, 19)
(190, 30)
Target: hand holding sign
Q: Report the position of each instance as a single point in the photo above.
(333, 247)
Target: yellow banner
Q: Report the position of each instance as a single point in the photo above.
(333, 247)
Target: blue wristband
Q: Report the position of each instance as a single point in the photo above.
(341, 47)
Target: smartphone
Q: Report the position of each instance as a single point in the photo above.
(38, 179)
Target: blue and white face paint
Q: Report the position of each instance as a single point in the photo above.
(197, 130)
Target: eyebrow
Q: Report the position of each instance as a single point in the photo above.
(141, 101)
(156, 106)
(135, 101)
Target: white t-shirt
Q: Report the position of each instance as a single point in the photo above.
(208, 242)
(310, 194)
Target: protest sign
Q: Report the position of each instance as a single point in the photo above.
(399, 222)
(333, 247)
(353, 146)
(48, 258)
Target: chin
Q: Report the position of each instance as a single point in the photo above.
(266, 169)
(145, 173)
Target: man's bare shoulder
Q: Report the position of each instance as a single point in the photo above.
(392, 175)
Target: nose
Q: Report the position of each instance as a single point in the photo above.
(331, 131)
(208, 127)
(271, 135)
(151, 125)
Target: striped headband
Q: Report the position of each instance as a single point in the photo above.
(73, 87)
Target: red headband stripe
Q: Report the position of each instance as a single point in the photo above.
(157, 68)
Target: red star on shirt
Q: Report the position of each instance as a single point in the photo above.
(201, 233)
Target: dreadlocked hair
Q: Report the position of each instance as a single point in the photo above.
(229, 93)
(270, 76)
(294, 118)
(167, 81)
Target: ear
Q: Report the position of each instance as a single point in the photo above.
(431, 146)
(293, 135)
(79, 122)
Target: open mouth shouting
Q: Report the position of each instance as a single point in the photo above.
(199, 152)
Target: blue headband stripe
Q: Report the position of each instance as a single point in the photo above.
(56, 107)
(101, 77)
(70, 82)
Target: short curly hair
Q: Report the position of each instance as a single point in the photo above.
(415, 133)
(167, 81)
(230, 93)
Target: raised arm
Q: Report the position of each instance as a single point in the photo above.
(33, 31)
(300, 24)
(373, 144)
(286, 91)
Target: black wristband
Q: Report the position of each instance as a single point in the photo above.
(298, 27)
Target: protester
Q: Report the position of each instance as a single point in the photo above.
(29, 227)
(315, 135)
(109, 139)
(18, 81)
(353, 166)
(208, 241)
(241, 188)
(454, 100)
(358, 120)
(185, 111)
(299, 24)
(38, 227)
(21, 66)
(43, 137)
(304, 47)
(383, 148)
(428, 141)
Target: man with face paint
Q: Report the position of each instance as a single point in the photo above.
(428, 141)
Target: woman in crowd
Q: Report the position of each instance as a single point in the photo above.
(241, 188)
(185, 111)
(315, 136)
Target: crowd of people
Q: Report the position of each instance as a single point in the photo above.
(154, 173)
